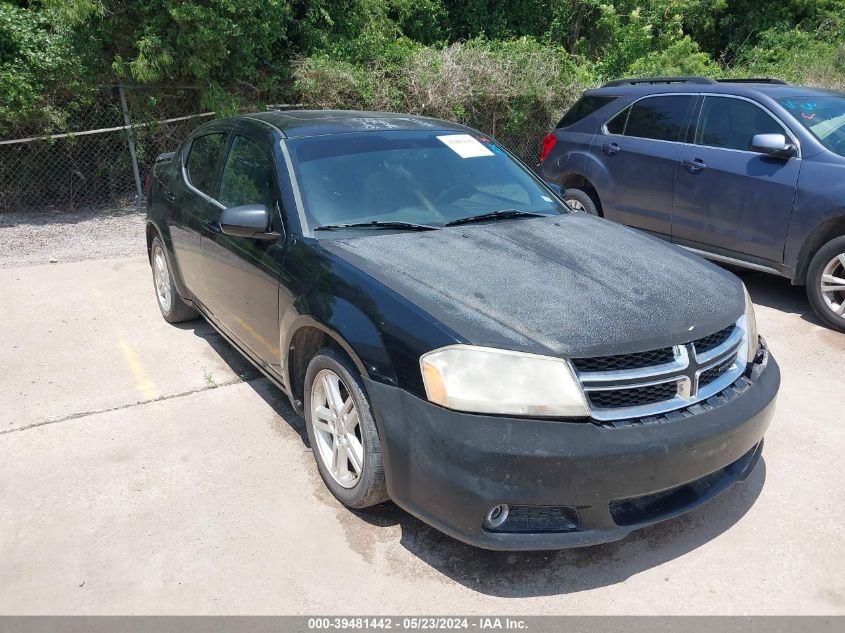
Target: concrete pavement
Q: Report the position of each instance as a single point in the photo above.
(147, 469)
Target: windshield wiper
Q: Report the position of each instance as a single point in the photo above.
(376, 224)
(504, 214)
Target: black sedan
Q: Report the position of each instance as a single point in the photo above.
(517, 375)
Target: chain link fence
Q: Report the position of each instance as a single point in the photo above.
(521, 134)
(88, 162)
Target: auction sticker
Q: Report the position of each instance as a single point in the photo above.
(464, 145)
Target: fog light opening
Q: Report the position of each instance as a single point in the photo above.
(496, 516)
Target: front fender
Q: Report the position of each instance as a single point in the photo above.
(351, 329)
(818, 208)
(383, 330)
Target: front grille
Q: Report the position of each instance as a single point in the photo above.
(625, 361)
(633, 397)
(713, 341)
(656, 381)
(713, 374)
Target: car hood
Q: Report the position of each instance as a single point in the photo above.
(570, 285)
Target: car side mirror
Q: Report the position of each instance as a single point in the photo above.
(774, 145)
(247, 220)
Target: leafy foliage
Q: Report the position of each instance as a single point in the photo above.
(509, 59)
(35, 57)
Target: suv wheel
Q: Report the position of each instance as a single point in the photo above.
(582, 200)
(826, 283)
(342, 431)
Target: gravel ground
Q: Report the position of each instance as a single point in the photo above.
(28, 239)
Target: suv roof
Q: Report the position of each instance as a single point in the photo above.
(656, 85)
(690, 79)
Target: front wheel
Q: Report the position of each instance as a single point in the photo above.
(826, 283)
(342, 431)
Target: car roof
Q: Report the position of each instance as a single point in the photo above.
(299, 123)
(775, 90)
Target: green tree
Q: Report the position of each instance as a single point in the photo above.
(40, 72)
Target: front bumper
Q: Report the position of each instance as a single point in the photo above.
(449, 468)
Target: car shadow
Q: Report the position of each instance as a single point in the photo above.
(246, 371)
(531, 574)
(516, 574)
(777, 293)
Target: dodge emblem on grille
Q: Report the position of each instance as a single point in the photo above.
(688, 387)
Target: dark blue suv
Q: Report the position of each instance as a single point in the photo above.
(746, 172)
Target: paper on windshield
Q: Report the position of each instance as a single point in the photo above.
(464, 145)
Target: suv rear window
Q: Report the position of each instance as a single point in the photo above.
(583, 108)
(663, 118)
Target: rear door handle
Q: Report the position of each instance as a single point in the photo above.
(611, 148)
(695, 165)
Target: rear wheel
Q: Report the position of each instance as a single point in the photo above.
(342, 430)
(826, 283)
(582, 200)
(173, 307)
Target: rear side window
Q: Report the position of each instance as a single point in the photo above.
(663, 118)
(203, 158)
(583, 108)
(732, 123)
(616, 125)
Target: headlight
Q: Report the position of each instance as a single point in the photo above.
(750, 326)
(488, 380)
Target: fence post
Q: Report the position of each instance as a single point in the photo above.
(139, 194)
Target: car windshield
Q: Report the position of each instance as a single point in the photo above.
(427, 178)
(824, 116)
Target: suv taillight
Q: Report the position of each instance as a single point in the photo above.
(548, 143)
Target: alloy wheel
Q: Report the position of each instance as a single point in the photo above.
(161, 277)
(337, 428)
(833, 284)
(575, 205)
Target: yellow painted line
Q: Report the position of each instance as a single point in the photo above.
(142, 381)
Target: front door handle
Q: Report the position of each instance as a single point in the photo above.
(611, 148)
(695, 165)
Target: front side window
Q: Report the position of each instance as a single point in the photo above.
(203, 158)
(824, 116)
(732, 123)
(247, 175)
(422, 177)
(663, 118)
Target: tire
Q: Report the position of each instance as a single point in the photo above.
(173, 307)
(827, 300)
(355, 488)
(583, 200)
